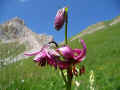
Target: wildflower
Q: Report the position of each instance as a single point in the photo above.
(91, 80)
(77, 83)
(73, 55)
(59, 19)
(44, 56)
(22, 81)
(53, 56)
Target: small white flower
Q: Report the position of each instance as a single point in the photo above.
(22, 81)
(65, 73)
(77, 83)
(91, 80)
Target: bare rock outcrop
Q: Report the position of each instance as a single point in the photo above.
(16, 30)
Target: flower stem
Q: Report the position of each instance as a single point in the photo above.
(66, 42)
(64, 78)
(66, 34)
(69, 83)
(69, 77)
(66, 23)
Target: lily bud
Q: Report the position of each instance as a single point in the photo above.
(59, 19)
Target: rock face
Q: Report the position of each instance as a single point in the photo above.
(15, 30)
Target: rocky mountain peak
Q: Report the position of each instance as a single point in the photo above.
(15, 20)
(15, 30)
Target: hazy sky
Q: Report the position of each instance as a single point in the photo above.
(39, 14)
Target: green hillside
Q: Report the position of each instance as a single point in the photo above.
(103, 57)
(10, 49)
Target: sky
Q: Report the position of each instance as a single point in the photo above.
(39, 15)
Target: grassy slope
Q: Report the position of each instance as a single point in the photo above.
(10, 49)
(103, 57)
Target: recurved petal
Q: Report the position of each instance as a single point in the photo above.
(37, 57)
(78, 51)
(83, 44)
(40, 56)
(81, 53)
(32, 53)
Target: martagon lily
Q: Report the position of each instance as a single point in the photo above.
(46, 55)
(64, 57)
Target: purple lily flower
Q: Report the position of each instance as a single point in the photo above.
(52, 57)
(43, 56)
(71, 56)
(39, 57)
(77, 55)
(59, 19)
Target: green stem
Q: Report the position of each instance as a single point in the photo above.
(69, 83)
(66, 23)
(66, 34)
(64, 78)
(69, 78)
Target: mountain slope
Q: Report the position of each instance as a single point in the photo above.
(96, 27)
(15, 30)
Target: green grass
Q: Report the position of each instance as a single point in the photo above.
(10, 49)
(103, 57)
(34, 77)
